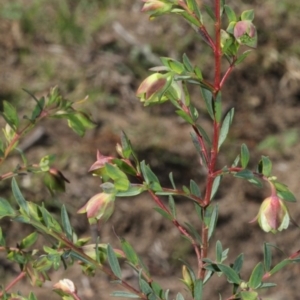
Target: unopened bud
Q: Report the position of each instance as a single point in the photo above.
(245, 33)
(66, 286)
(99, 207)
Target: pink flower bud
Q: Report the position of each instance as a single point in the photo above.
(156, 6)
(99, 164)
(245, 33)
(158, 88)
(99, 207)
(273, 215)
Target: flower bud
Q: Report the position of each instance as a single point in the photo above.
(99, 207)
(158, 88)
(273, 215)
(66, 286)
(55, 180)
(156, 7)
(187, 278)
(98, 166)
(245, 33)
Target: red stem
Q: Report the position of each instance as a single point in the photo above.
(15, 281)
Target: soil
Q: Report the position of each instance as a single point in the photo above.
(265, 92)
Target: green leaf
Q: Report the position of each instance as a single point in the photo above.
(207, 96)
(18, 196)
(126, 145)
(198, 289)
(245, 295)
(266, 166)
(225, 127)
(267, 257)
(29, 240)
(256, 276)
(172, 206)
(172, 180)
(230, 14)
(145, 287)
(123, 294)
(121, 181)
(187, 63)
(213, 221)
(231, 275)
(150, 178)
(32, 296)
(219, 250)
(179, 297)
(244, 174)
(280, 265)
(238, 263)
(133, 190)
(113, 261)
(287, 196)
(247, 15)
(2, 239)
(242, 57)
(218, 107)
(129, 252)
(198, 73)
(204, 134)
(185, 116)
(5, 209)
(244, 155)
(176, 66)
(66, 223)
(210, 12)
(236, 161)
(194, 232)
(198, 211)
(192, 4)
(163, 213)
(195, 190)
(40, 104)
(215, 186)
(10, 115)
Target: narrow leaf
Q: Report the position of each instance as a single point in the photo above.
(172, 206)
(213, 222)
(267, 257)
(238, 263)
(210, 12)
(29, 240)
(225, 127)
(215, 186)
(207, 95)
(218, 107)
(163, 213)
(244, 174)
(266, 166)
(187, 63)
(198, 289)
(5, 209)
(179, 297)
(231, 275)
(280, 265)
(219, 250)
(230, 14)
(113, 261)
(256, 276)
(195, 190)
(244, 155)
(18, 196)
(66, 223)
(172, 180)
(123, 294)
(204, 134)
(129, 252)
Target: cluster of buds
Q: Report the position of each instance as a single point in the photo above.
(273, 214)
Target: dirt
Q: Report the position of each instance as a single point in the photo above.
(265, 92)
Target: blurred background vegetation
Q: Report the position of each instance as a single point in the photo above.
(104, 48)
